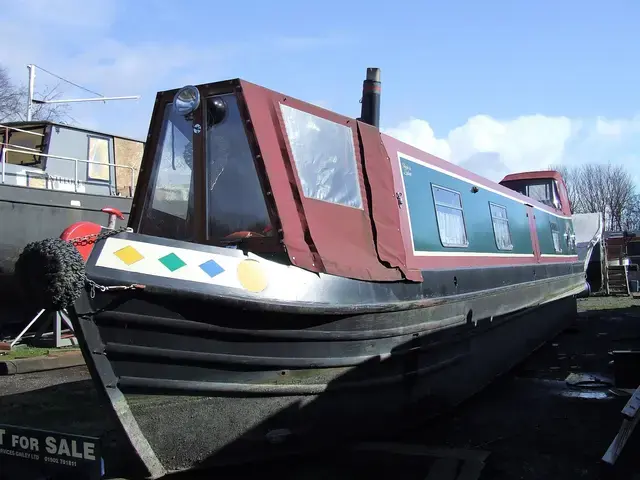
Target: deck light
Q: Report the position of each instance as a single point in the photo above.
(186, 100)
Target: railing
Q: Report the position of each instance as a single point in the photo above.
(26, 150)
(5, 127)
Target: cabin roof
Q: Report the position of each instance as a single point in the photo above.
(533, 174)
(40, 123)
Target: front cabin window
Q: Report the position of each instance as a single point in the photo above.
(450, 217)
(324, 155)
(235, 203)
(170, 211)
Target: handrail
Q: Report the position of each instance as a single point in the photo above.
(3, 157)
(27, 149)
(6, 127)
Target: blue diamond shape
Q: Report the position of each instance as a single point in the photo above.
(211, 268)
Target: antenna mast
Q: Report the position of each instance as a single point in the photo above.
(31, 100)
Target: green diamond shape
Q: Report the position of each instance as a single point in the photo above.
(172, 262)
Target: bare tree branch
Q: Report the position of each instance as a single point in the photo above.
(13, 103)
(608, 189)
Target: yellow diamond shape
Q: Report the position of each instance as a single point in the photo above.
(128, 255)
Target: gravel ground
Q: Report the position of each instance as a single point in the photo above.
(14, 384)
(532, 422)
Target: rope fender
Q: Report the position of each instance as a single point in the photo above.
(52, 273)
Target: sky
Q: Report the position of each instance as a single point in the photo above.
(497, 86)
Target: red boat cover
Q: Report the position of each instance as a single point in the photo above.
(384, 203)
(361, 240)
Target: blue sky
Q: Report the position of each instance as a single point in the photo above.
(496, 86)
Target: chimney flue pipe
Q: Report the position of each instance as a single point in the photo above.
(371, 88)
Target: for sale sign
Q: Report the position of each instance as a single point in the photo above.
(71, 456)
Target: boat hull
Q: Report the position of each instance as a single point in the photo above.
(31, 214)
(199, 380)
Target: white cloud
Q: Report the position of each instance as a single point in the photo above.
(419, 133)
(81, 40)
(494, 147)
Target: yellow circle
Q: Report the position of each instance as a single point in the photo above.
(251, 276)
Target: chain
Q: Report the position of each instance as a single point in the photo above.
(94, 238)
(93, 286)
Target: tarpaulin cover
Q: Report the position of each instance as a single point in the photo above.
(320, 186)
(323, 151)
(588, 230)
(384, 205)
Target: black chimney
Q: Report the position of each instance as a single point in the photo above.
(371, 89)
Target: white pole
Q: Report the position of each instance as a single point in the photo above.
(97, 99)
(32, 81)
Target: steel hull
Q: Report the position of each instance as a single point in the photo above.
(197, 382)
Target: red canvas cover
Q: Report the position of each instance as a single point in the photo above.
(384, 205)
(319, 235)
(265, 125)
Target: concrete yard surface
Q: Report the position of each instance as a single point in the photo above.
(530, 424)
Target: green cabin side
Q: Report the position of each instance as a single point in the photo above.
(494, 224)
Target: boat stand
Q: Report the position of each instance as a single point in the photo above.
(49, 338)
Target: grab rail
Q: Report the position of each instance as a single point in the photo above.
(6, 127)
(3, 153)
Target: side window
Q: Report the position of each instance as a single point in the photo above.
(99, 168)
(29, 141)
(324, 157)
(448, 204)
(555, 234)
(501, 230)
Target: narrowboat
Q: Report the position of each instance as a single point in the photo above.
(291, 278)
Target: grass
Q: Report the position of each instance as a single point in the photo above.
(607, 303)
(30, 352)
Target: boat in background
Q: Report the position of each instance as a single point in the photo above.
(52, 175)
(293, 278)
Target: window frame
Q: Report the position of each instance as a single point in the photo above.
(271, 237)
(501, 219)
(297, 167)
(557, 229)
(461, 209)
(95, 165)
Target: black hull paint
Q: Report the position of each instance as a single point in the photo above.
(31, 214)
(199, 382)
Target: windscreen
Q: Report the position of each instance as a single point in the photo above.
(236, 206)
(236, 202)
(169, 211)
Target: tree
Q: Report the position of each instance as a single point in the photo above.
(13, 103)
(631, 220)
(604, 188)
